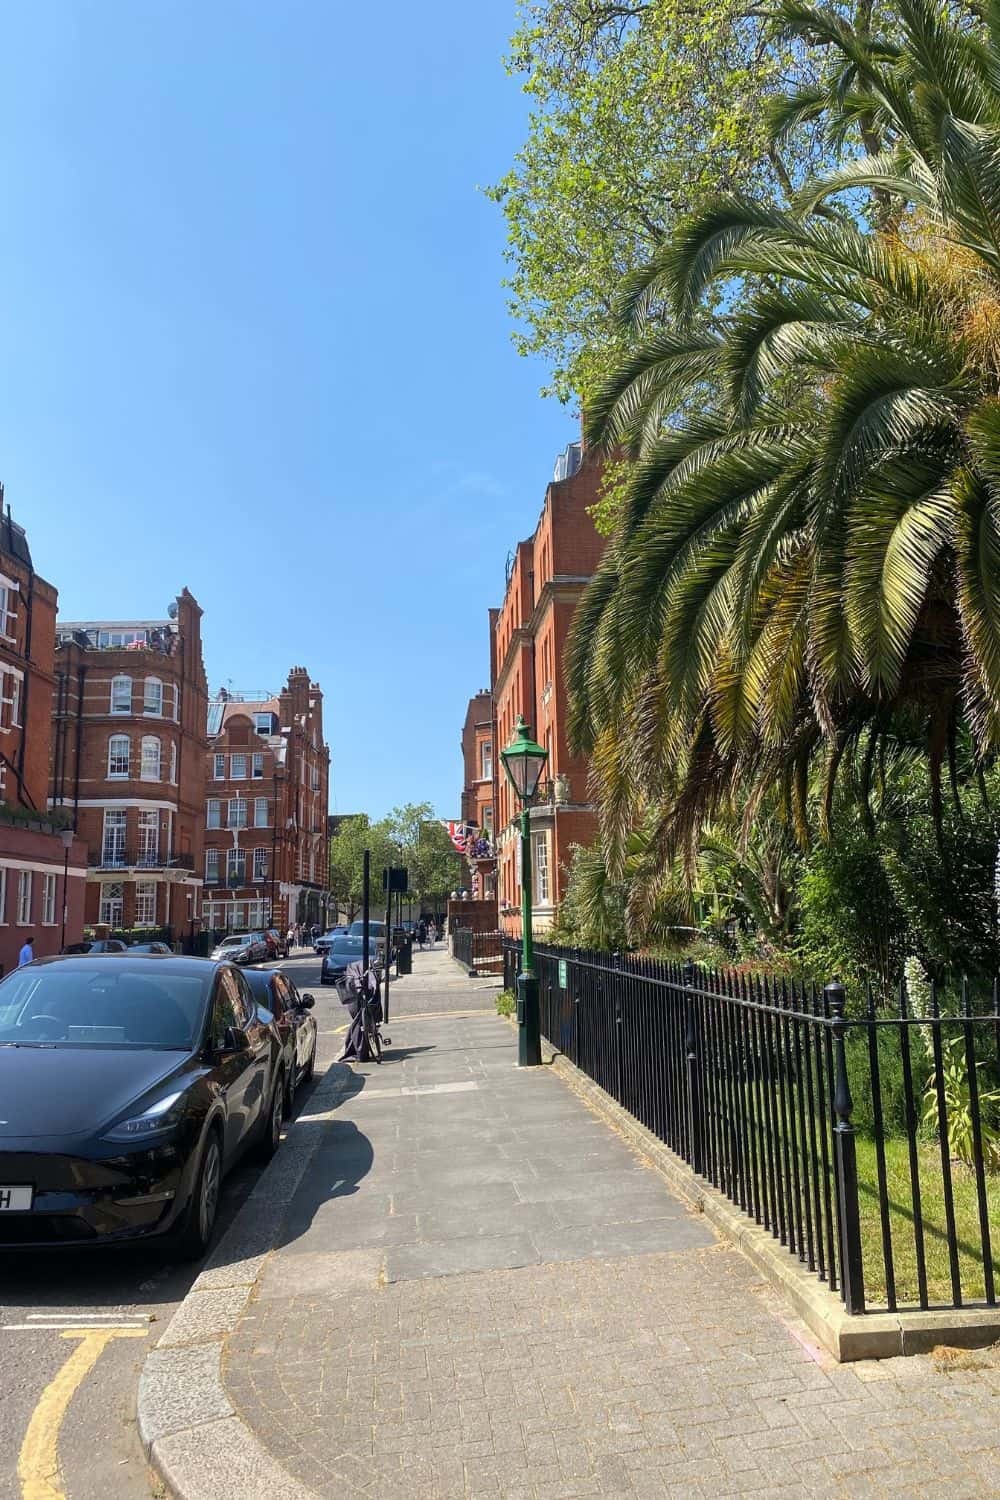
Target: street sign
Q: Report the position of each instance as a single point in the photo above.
(394, 879)
(563, 980)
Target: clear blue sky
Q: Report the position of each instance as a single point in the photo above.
(255, 342)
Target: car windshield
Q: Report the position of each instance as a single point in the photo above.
(347, 947)
(235, 942)
(67, 1005)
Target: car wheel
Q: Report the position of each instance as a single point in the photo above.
(270, 1138)
(203, 1205)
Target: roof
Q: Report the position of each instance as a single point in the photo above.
(13, 540)
(221, 710)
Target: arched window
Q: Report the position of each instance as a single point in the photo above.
(118, 755)
(152, 697)
(121, 695)
(150, 758)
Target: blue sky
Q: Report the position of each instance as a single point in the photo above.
(255, 342)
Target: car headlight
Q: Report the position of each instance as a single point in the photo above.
(160, 1117)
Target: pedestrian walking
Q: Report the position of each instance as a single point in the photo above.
(298, 934)
(27, 952)
(290, 939)
(432, 932)
(421, 933)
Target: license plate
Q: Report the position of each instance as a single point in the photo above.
(16, 1200)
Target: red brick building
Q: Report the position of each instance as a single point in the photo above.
(546, 577)
(265, 814)
(479, 794)
(128, 762)
(42, 865)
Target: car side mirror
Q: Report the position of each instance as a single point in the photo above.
(235, 1040)
(307, 1002)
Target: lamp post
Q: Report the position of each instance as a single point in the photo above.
(524, 762)
(67, 835)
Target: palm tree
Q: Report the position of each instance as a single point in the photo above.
(807, 565)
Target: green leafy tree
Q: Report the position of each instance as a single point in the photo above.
(641, 112)
(806, 569)
(347, 847)
(420, 842)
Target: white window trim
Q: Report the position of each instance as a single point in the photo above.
(49, 888)
(119, 775)
(22, 877)
(218, 766)
(235, 775)
(208, 812)
(3, 897)
(151, 713)
(122, 712)
(144, 775)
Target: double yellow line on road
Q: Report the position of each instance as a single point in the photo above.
(38, 1461)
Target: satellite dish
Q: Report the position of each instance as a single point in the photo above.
(172, 610)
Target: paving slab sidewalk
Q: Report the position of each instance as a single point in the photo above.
(480, 1289)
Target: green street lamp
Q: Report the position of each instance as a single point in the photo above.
(524, 762)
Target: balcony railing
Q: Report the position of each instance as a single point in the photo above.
(138, 859)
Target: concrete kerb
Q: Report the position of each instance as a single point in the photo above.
(847, 1336)
(189, 1428)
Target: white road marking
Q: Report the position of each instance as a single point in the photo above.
(90, 1316)
(74, 1325)
(396, 1093)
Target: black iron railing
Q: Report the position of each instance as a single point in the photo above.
(477, 949)
(139, 859)
(866, 1140)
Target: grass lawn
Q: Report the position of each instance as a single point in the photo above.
(932, 1204)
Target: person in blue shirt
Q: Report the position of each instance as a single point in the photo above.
(27, 953)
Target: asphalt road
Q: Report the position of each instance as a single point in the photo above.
(42, 1295)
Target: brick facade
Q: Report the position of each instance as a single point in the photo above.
(267, 774)
(549, 572)
(42, 865)
(479, 767)
(128, 763)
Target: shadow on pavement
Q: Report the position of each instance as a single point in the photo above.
(342, 1161)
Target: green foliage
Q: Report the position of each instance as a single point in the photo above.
(851, 926)
(805, 572)
(957, 1098)
(506, 1003)
(639, 113)
(410, 836)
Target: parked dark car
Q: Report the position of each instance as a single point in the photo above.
(277, 995)
(343, 951)
(130, 1085)
(97, 945)
(323, 942)
(241, 948)
(277, 945)
(150, 948)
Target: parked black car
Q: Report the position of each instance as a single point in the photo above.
(322, 943)
(275, 993)
(150, 948)
(97, 945)
(129, 1086)
(343, 951)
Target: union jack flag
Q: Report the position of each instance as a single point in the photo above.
(458, 832)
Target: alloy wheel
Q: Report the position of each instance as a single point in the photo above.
(208, 1205)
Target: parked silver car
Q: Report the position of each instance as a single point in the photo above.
(241, 948)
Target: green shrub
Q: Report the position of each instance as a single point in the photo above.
(506, 1003)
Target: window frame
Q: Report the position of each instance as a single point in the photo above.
(257, 802)
(144, 774)
(145, 895)
(218, 766)
(120, 709)
(157, 711)
(24, 898)
(236, 760)
(257, 765)
(48, 900)
(213, 812)
(113, 775)
(236, 802)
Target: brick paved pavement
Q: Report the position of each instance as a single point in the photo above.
(483, 1291)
